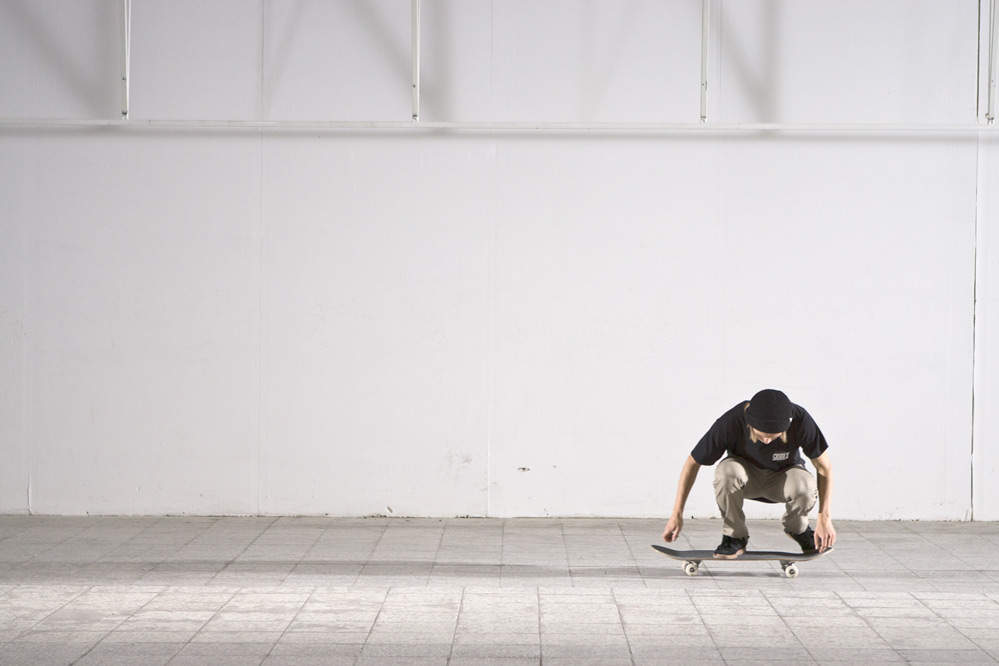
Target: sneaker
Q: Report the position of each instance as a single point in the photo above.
(731, 547)
(806, 540)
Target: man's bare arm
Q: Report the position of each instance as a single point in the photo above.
(825, 533)
(687, 477)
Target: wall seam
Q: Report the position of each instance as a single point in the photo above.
(260, 267)
(27, 357)
(491, 288)
(974, 318)
(978, 217)
(260, 325)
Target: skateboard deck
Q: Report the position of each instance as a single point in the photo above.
(788, 561)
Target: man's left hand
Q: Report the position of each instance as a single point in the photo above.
(825, 533)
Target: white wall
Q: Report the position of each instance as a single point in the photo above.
(986, 454)
(208, 321)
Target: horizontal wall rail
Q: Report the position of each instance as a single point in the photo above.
(497, 126)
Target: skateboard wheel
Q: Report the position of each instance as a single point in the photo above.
(791, 571)
(690, 568)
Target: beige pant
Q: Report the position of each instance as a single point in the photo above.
(737, 480)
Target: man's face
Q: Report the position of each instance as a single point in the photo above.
(765, 437)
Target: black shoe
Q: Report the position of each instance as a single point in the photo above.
(806, 540)
(731, 547)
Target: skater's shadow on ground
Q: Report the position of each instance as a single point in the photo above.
(317, 569)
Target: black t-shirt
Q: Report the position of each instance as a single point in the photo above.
(730, 434)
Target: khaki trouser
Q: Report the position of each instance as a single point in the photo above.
(737, 479)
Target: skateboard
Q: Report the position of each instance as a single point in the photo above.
(788, 561)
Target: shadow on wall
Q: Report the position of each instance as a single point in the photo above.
(760, 86)
(596, 77)
(368, 20)
(87, 81)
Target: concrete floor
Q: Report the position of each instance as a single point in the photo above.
(304, 591)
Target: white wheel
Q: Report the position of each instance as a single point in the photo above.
(690, 568)
(791, 571)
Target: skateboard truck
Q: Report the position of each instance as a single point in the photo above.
(790, 568)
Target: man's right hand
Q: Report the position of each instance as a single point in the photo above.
(673, 528)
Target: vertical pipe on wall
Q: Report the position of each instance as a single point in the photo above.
(705, 31)
(126, 47)
(993, 56)
(416, 60)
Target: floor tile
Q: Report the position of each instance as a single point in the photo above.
(506, 591)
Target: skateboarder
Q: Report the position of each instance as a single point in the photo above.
(764, 439)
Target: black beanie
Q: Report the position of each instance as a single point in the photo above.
(769, 411)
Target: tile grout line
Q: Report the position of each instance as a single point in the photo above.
(242, 552)
(103, 638)
(624, 630)
(374, 622)
(457, 622)
(305, 553)
(290, 622)
(957, 629)
(437, 554)
(56, 545)
(371, 554)
(568, 560)
(793, 632)
(711, 634)
(133, 614)
(206, 623)
(186, 544)
(79, 594)
(502, 555)
(541, 633)
(631, 554)
(871, 626)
